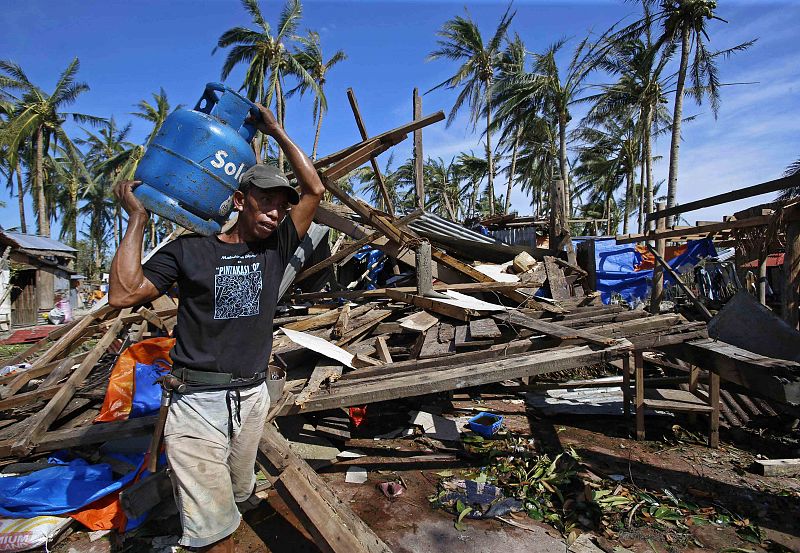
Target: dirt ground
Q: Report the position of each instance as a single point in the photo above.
(720, 478)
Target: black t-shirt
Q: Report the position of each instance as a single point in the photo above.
(227, 295)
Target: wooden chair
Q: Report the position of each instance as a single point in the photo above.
(692, 401)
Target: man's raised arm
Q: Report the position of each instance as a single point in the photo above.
(127, 284)
(311, 188)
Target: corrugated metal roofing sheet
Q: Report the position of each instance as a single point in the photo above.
(32, 242)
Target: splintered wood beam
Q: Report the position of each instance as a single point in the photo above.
(476, 275)
(66, 340)
(44, 418)
(739, 194)
(352, 248)
(552, 329)
(362, 129)
(330, 518)
(381, 292)
(702, 229)
(401, 130)
(430, 304)
(419, 185)
(416, 383)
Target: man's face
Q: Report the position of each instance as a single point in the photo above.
(261, 211)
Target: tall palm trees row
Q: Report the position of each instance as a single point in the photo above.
(68, 179)
(528, 97)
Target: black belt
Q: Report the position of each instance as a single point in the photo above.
(211, 380)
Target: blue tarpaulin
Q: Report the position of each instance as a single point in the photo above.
(70, 485)
(615, 268)
(61, 488)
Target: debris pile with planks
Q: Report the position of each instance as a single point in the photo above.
(456, 325)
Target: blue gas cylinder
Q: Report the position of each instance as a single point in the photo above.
(193, 165)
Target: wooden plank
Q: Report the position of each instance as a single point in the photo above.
(65, 341)
(476, 275)
(638, 382)
(778, 467)
(433, 346)
(363, 325)
(387, 136)
(327, 319)
(737, 194)
(27, 398)
(342, 530)
(164, 303)
(418, 383)
(674, 400)
(419, 159)
(517, 318)
(342, 322)
(483, 329)
(44, 418)
(325, 371)
(463, 339)
(555, 279)
(765, 377)
(95, 434)
(382, 350)
(703, 229)
(419, 321)
(381, 292)
(431, 304)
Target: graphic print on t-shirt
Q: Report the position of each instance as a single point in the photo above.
(237, 289)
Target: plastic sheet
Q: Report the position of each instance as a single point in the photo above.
(615, 266)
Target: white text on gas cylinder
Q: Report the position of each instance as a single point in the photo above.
(230, 168)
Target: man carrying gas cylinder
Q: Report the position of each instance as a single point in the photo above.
(228, 287)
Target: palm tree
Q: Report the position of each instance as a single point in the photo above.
(461, 41)
(600, 171)
(793, 192)
(10, 171)
(309, 55)
(71, 178)
(368, 180)
(267, 57)
(546, 90)
(156, 112)
(512, 65)
(473, 169)
(112, 158)
(37, 118)
(442, 188)
(685, 22)
(639, 93)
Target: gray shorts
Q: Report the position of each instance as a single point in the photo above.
(211, 449)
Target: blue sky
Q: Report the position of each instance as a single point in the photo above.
(130, 49)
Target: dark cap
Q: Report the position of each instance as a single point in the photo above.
(268, 177)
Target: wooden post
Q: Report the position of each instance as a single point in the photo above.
(626, 384)
(638, 362)
(387, 200)
(791, 271)
(713, 400)
(424, 278)
(762, 276)
(694, 378)
(657, 293)
(418, 158)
